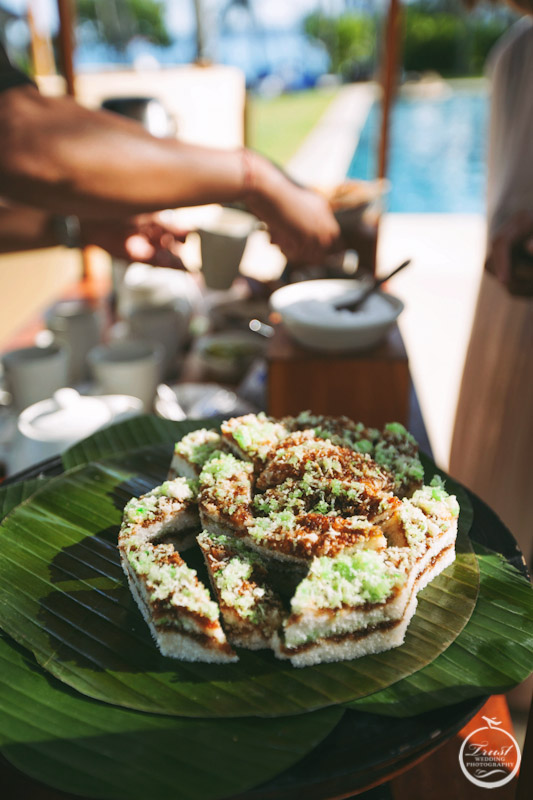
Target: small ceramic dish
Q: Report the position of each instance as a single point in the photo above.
(227, 355)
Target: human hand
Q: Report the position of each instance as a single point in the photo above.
(148, 238)
(299, 220)
(512, 241)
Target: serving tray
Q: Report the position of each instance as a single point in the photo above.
(362, 749)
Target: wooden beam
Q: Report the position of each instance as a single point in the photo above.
(42, 52)
(67, 16)
(389, 78)
(66, 42)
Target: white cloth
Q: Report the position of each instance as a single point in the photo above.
(493, 436)
(510, 163)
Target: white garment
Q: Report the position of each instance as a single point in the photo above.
(493, 436)
(510, 163)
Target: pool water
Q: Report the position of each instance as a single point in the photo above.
(437, 153)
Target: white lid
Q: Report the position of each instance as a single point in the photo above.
(65, 417)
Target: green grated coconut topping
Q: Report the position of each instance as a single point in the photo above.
(364, 577)
(256, 435)
(198, 447)
(174, 584)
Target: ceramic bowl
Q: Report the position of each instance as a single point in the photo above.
(307, 311)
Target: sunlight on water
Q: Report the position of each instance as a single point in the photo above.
(438, 153)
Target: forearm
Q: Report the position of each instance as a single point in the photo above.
(61, 157)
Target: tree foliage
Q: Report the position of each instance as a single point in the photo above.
(433, 41)
(349, 39)
(439, 36)
(447, 41)
(117, 22)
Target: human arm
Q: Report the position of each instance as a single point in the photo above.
(57, 155)
(147, 238)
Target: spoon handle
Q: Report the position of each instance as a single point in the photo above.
(353, 305)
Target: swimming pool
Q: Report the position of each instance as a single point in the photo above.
(437, 153)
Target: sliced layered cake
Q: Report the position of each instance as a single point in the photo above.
(168, 510)
(251, 610)
(253, 436)
(349, 606)
(393, 448)
(177, 607)
(362, 603)
(192, 452)
(329, 514)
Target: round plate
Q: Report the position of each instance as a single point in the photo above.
(364, 749)
(63, 596)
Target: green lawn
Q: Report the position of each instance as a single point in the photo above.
(278, 126)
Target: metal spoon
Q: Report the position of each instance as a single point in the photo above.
(261, 328)
(354, 305)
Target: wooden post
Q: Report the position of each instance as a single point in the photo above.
(67, 17)
(389, 75)
(66, 43)
(388, 69)
(42, 53)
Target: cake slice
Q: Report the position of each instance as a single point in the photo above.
(426, 525)
(321, 465)
(296, 539)
(167, 510)
(253, 436)
(225, 494)
(177, 607)
(349, 606)
(251, 610)
(192, 452)
(393, 448)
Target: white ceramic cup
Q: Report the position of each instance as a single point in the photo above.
(166, 326)
(35, 373)
(222, 243)
(128, 367)
(76, 326)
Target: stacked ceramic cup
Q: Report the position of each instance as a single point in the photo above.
(76, 326)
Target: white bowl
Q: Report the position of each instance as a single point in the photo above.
(307, 311)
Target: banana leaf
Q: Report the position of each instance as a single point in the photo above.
(13, 494)
(79, 745)
(493, 653)
(76, 744)
(63, 596)
(145, 430)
